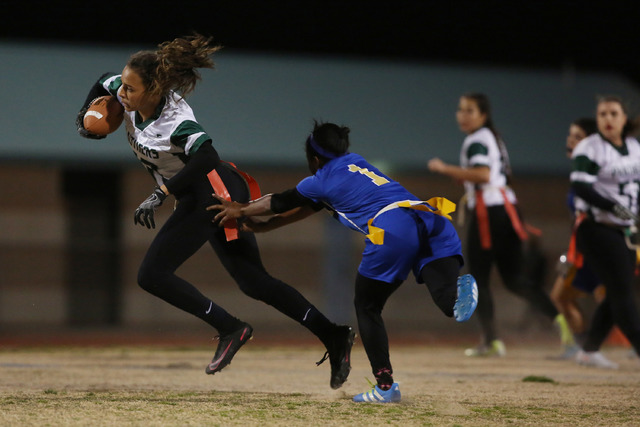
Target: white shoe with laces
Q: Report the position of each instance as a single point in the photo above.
(594, 359)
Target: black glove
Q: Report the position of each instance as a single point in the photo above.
(80, 125)
(144, 213)
(624, 213)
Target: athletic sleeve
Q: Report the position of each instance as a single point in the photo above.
(189, 136)
(291, 199)
(584, 174)
(478, 154)
(584, 169)
(97, 90)
(311, 188)
(587, 193)
(201, 161)
(111, 82)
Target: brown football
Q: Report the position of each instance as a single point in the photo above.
(104, 115)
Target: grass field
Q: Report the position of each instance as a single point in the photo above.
(280, 385)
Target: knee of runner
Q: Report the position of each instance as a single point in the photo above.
(445, 302)
(444, 295)
(150, 279)
(363, 305)
(254, 292)
(256, 289)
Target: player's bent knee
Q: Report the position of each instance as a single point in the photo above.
(150, 280)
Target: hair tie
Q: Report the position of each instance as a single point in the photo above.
(324, 153)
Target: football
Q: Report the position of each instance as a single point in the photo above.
(104, 115)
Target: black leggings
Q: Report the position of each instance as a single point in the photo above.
(440, 276)
(606, 252)
(186, 230)
(507, 253)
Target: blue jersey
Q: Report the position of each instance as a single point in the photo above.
(359, 193)
(354, 189)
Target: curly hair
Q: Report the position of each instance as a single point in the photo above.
(173, 66)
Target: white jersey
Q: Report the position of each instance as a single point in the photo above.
(481, 149)
(614, 172)
(163, 142)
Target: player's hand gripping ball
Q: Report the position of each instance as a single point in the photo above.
(104, 115)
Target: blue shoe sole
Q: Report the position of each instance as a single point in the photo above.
(467, 300)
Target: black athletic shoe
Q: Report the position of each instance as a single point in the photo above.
(339, 355)
(227, 348)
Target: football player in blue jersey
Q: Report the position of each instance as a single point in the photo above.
(403, 235)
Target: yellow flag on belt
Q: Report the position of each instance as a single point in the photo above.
(441, 206)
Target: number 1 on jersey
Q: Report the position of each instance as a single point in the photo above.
(377, 180)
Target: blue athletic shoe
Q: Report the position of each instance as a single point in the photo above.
(376, 395)
(467, 300)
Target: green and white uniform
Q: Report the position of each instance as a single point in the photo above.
(613, 172)
(163, 141)
(180, 155)
(494, 234)
(611, 175)
(481, 149)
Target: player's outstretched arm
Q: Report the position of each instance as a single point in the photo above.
(233, 210)
(258, 225)
(479, 174)
(254, 210)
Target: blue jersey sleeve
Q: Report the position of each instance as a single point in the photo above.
(310, 188)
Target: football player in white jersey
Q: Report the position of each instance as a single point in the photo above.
(496, 231)
(179, 154)
(606, 180)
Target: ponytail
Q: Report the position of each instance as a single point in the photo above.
(173, 66)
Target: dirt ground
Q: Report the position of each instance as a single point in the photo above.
(280, 385)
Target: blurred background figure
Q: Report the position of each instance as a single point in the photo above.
(604, 177)
(575, 279)
(496, 231)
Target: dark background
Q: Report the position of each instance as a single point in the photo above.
(582, 34)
